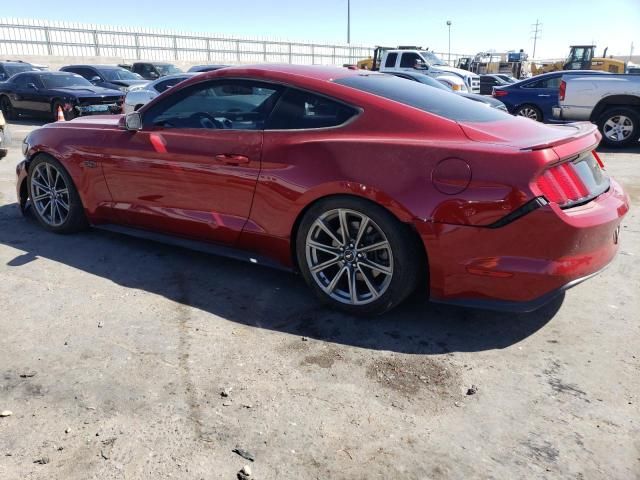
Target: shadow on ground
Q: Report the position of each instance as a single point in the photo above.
(261, 297)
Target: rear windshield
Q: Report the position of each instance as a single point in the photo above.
(423, 97)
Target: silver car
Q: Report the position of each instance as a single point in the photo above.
(139, 95)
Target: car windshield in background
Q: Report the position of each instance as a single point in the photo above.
(14, 69)
(119, 74)
(167, 69)
(426, 98)
(432, 58)
(64, 81)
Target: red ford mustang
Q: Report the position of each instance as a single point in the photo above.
(365, 183)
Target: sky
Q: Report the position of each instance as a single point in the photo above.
(477, 25)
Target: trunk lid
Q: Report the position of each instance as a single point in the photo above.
(525, 134)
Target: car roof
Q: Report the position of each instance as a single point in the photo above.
(102, 67)
(316, 72)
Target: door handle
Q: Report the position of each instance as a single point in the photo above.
(543, 95)
(232, 158)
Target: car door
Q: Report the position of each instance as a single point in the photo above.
(192, 168)
(27, 93)
(544, 94)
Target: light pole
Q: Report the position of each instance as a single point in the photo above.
(348, 22)
(449, 25)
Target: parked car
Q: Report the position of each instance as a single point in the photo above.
(154, 70)
(10, 68)
(487, 82)
(610, 101)
(107, 76)
(139, 96)
(432, 82)
(4, 137)
(42, 93)
(368, 184)
(206, 68)
(535, 97)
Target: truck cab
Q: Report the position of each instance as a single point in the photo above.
(423, 61)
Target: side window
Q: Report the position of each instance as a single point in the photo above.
(553, 82)
(298, 110)
(223, 104)
(3, 74)
(538, 84)
(409, 60)
(162, 86)
(21, 81)
(145, 69)
(391, 60)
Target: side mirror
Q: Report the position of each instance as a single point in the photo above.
(32, 86)
(95, 79)
(133, 121)
(420, 65)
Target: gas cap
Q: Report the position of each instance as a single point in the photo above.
(451, 176)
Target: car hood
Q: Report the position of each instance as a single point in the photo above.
(456, 71)
(107, 122)
(524, 133)
(88, 91)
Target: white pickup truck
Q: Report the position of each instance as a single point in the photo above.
(427, 62)
(610, 101)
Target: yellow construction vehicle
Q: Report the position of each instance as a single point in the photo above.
(581, 57)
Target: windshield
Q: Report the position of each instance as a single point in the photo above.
(64, 81)
(167, 69)
(421, 96)
(432, 58)
(119, 74)
(13, 69)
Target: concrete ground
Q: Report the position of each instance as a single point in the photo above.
(116, 354)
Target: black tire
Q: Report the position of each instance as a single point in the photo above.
(529, 111)
(7, 108)
(76, 219)
(408, 261)
(617, 113)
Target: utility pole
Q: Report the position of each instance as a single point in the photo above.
(348, 22)
(536, 34)
(449, 25)
(631, 52)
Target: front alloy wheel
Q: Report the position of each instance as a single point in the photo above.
(529, 111)
(356, 256)
(620, 126)
(50, 194)
(53, 196)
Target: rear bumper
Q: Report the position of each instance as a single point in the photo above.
(524, 264)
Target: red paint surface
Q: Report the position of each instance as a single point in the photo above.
(170, 180)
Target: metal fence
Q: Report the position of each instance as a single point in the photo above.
(68, 39)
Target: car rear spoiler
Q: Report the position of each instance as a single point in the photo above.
(586, 132)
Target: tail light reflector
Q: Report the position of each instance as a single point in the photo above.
(598, 159)
(500, 93)
(563, 90)
(562, 185)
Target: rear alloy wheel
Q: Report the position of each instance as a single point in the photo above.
(529, 111)
(6, 108)
(53, 196)
(619, 126)
(356, 256)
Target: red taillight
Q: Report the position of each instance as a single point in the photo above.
(598, 159)
(500, 93)
(563, 89)
(562, 185)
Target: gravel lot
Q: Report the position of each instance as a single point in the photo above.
(115, 352)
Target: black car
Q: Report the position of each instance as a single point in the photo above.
(107, 76)
(10, 68)
(206, 68)
(432, 82)
(488, 81)
(41, 93)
